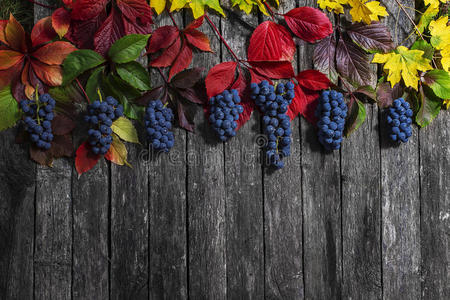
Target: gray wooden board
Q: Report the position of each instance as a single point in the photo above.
(167, 210)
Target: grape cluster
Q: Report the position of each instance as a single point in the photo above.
(331, 111)
(273, 103)
(38, 120)
(158, 121)
(224, 112)
(101, 115)
(399, 118)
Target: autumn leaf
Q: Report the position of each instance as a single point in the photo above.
(158, 5)
(372, 37)
(403, 63)
(440, 33)
(117, 153)
(125, 130)
(197, 6)
(445, 60)
(61, 21)
(247, 5)
(428, 16)
(84, 159)
(336, 6)
(220, 78)
(325, 57)
(366, 11)
(309, 24)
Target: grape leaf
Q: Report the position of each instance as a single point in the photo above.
(197, 6)
(79, 62)
(247, 5)
(93, 83)
(356, 116)
(9, 109)
(425, 47)
(335, 6)
(366, 11)
(428, 16)
(220, 78)
(372, 37)
(386, 95)
(117, 153)
(61, 21)
(274, 69)
(309, 24)
(125, 130)
(445, 60)
(110, 31)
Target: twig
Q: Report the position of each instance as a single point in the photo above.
(82, 89)
(43, 5)
(410, 19)
(222, 39)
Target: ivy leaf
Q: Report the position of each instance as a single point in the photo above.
(220, 78)
(128, 48)
(352, 62)
(430, 106)
(325, 57)
(356, 116)
(9, 109)
(85, 160)
(135, 75)
(197, 6)
(372, 37)
(271, 42)
(403, 63)
(125, 130)
(439, 82)
(309, 24)
(440, 33)
(79, 62)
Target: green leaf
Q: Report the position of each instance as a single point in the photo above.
(357, 116)
(135, 75)
(430, 106)
(125, 129)
(425, 47)
(93, 83)
(128, 48)
(439, 82)
(79, 62)
(9, 109)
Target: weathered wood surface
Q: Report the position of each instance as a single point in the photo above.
(371, 221)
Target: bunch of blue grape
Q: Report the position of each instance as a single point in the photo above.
(100, 116)
(273, 103)
(399, 119)
(158, 121)
(224, 112)
(331, 111)
(38, 120)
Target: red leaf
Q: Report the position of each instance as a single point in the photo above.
(313, 80)
(274, 69)
(81, 33)
(84, 159)
(309, 24)
(15, 35)
(61, 21)
(111, 30)
(168, 56)
(220, 77)
(162, 38)
(50, 75)
(54, 53)
(198, 39)
(257, 78)
(183, 61)
(304, 103)
(183, 121)
(88, 9)
(9, 58)
(135, 27)
(272, 42)
(136, 9)
(196, 23)
(42, 32)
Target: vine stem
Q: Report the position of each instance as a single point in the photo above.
(162, 75)
(42, 4)
(222, 39)
(82, 89)
(172, 18)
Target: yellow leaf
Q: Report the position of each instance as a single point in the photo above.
(247, 5)
(403, 63)
(428, 16)
(118, 152)
(440, 33)
(125, 130)
(447, 104)
(434, 2)
(333, 5)
(158, 5)
(197, 6)
(366, 11)
(445, 60)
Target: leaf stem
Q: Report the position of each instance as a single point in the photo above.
(162, 75)
(42, 4)
(222, 39)
(272, 14)
(172, 18)
(36, 99)
(82, 89)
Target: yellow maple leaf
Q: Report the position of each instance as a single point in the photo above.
(434, 2)
(158, 5)
(445, 60)
(333, 5)
(197, 6)
(366, 11)
(403, 63)
(247, 5)
(428, 16)
(440, 33)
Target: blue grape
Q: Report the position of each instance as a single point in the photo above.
(399, 119)
(158, 122)
(331, 112)
(225, 110)
(273, 103)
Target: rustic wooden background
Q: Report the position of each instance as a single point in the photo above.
(208, 222)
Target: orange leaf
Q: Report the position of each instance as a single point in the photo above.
(2, 31)
(15, 35)
(118, 152)
(29, 89)
(54, 53)
(42, 32)
(61, 21)
(50, 75)
(9, 58)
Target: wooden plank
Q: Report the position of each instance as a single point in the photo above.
(400, 199)
(167, 210)
(53, 232)
(17, 190)
(321, 191)
(206, 197)
(435, 208)
(243, 183)
(91, 203)
(283, 214)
